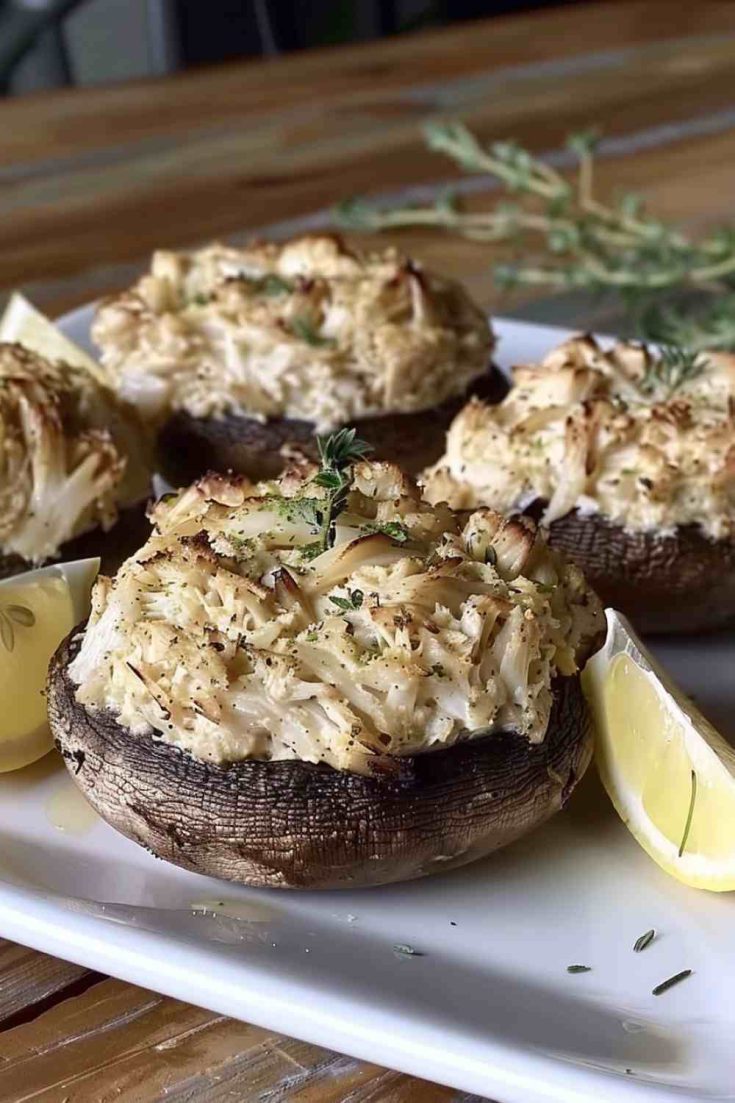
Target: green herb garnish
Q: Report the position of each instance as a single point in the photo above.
(309, 510)
(673, 369)
(690, 813)
(394, 529)
(579, 968)
(666, 984)
(312, 550)
(354, 601)
(644, 940)
(341, 602)
(569, 238)
(243, 545)
(338, 454)
(304, 329)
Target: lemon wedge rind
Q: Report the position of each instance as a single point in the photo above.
(23, 323)
(668, 771)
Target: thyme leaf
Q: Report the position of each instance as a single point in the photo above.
(644, 940)
(674, 368)
(341, 449)
(666, 984)
(354, 601)
(579, 968)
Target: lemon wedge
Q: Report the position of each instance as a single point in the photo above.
(37, 610)
(670, 775)
(23, 323)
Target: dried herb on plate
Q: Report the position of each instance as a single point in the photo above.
(666, 984)
(644, 941)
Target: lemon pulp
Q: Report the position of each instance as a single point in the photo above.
(37, 610)
(670, 775)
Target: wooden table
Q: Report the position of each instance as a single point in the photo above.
(91, 181)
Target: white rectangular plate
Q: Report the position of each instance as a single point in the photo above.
(489, 1006)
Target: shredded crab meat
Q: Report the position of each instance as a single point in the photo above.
(235, 633)
(308, 329)
(585, 430)
(62, 470)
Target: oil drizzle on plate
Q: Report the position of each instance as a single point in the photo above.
(67, 810)
(248, 910)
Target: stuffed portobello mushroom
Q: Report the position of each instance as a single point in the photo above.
(628, 458)
(324, 681)
(238, 357)
(74, 472)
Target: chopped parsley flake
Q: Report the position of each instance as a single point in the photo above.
(394, 529)
(304, 329)
(354, 601)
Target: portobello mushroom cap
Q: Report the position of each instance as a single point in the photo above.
(265, 699)
(682, 581)
(235, 354)
(294, 824)
(189, 446)
(627, 458)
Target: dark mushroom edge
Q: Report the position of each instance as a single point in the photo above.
(683, 581)
(188, 446)
(292, 824)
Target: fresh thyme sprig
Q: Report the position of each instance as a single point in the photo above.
(338, 454)
(670, 370)
(570, 239)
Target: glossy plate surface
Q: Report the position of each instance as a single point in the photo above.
(488, 1007)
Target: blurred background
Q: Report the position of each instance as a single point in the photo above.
(57, 43)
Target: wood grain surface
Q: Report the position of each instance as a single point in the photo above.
(91, 181)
